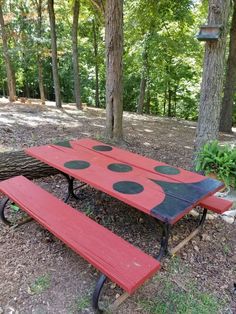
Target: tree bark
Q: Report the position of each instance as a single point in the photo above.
(18, 163)
(55, 73)
(9, 68)
(226, 119)
(40, 66)
(148, 100)
(95, 47)
(41, 82)
(142, 91)
(143, 82)
(212, 79)
(114, 69)
(75, 55)
(169, 110)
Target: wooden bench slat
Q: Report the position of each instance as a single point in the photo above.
(216, 204)
(124, 264)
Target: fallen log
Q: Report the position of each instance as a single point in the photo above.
(18, 163)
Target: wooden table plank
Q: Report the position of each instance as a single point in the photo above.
(154, 166)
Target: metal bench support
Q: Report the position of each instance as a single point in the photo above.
(97, 292)
(71, 189)
(7, 222)
(3, 204)
(166, 235)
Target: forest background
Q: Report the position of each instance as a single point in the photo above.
(162, 57)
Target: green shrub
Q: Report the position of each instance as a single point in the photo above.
(220, 160)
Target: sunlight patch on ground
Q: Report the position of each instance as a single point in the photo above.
(98, 125)
(188, 147)
(146, 144)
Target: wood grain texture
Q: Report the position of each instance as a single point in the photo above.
(139, 161)
(120, 261)
(216, 204)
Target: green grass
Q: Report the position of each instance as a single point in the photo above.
(82, 303)
(41, 284)
(175, 300)
(176, 297)
(226, 249)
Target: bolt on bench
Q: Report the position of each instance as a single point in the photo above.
(115, 258)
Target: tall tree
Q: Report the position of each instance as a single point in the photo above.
(212, 77)
(75, 55)
(95, 48)
(56, 79)
(9, 68)
(39, 57)
(144, 78)
(114, 68)
(230, 81)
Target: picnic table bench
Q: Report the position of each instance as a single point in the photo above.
(117, 259)
(164, 192)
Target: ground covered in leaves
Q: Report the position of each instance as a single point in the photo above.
(39, 274)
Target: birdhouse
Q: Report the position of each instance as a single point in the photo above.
(209, 32)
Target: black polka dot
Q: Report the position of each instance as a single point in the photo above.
(102, 148)
(77, 164)
(128, 187)
(64, 144)
(167, 170)
(119, 167)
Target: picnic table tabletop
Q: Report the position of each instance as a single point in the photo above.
(156, 188)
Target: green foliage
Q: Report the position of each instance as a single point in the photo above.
(82, 303)
(41, 284)
(165, 30)
(221, 160)
(181, 298)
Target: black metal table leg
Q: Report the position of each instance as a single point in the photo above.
(203, 217)
(71, 188)
(97, 291)
(3, 204)
(164, 241)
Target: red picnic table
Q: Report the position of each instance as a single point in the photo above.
(166, 193)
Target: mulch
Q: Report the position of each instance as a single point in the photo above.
(29, 252)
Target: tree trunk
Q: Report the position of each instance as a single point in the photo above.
(226, 120)
(9, 68)
(75, 55)
(175, 100)
(169, 112)
(40, 75)
(40, 66)
(95, 47)
(164, 102)
(212, 80)
(148, 100)
(55, 73)
(143, 82)
(18, 163)
(142, 91)
(114, 68)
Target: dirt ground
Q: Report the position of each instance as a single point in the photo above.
(39, 274)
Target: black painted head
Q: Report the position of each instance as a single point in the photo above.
(102, 148)
(119, 167)
(76, 164)
(64, 144)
